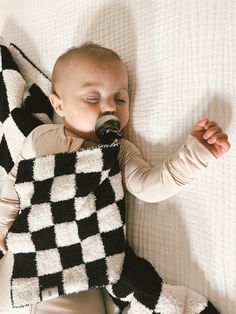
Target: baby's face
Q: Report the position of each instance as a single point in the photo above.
(89, 89)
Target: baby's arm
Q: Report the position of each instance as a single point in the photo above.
(9, 207)
(156, 183)
(3, 246)
(9, 201)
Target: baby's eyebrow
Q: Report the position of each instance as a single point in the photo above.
(93, 84)
(88, 84)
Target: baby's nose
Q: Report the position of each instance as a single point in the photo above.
(108, 106)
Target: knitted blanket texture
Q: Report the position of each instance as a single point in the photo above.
(70, 231)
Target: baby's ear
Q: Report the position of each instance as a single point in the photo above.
(57, 104)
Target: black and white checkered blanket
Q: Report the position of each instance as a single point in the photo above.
(23, 102)
(70, 235)
(70, 231)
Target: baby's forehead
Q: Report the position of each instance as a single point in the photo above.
(73, 58)
(86, 57)
(73, 61)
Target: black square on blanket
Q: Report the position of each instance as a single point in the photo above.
(63, 211)
(23, 266)
(71, 255)
(88, 226)
(97, 273)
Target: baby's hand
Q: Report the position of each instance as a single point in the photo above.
(210, 134)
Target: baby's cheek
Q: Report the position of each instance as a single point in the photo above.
(126, 119)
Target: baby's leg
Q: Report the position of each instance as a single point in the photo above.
(142, 289)
(6, 264)
(90, 301)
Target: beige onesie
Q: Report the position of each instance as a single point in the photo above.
(148, 183)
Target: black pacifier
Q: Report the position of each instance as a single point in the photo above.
(107, 129)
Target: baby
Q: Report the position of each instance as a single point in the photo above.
(89, 82)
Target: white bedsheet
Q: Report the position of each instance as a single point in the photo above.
(182, 60)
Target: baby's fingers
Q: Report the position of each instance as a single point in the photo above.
(223, 143)
(209, 133)
(214, 136)
(210, 124)
(200, 125)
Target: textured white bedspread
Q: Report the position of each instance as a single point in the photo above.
(182, 60)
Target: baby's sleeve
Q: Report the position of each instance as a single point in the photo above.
(9, 202)
(156, 183)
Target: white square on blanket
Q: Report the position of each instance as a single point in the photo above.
(66, 234)
(85, 206)
(138, 308)
(92, 248)
(25, 291)
(104, 175)
(75, 279)
(89, 161)
(40, 216)
(25, 191)
(20, 243)
(116, 183)
(48, 262)
(44, 167)
(63, 188)
(109, 218)
(15, 87)
(114, 266)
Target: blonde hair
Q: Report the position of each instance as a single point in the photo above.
(89, 49)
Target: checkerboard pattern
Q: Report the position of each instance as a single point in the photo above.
(22, 106)
(140, 290)
(70, 232)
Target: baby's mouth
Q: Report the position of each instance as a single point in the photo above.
(107, 128)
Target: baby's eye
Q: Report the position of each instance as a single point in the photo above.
(92, 100)
(120, 101)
